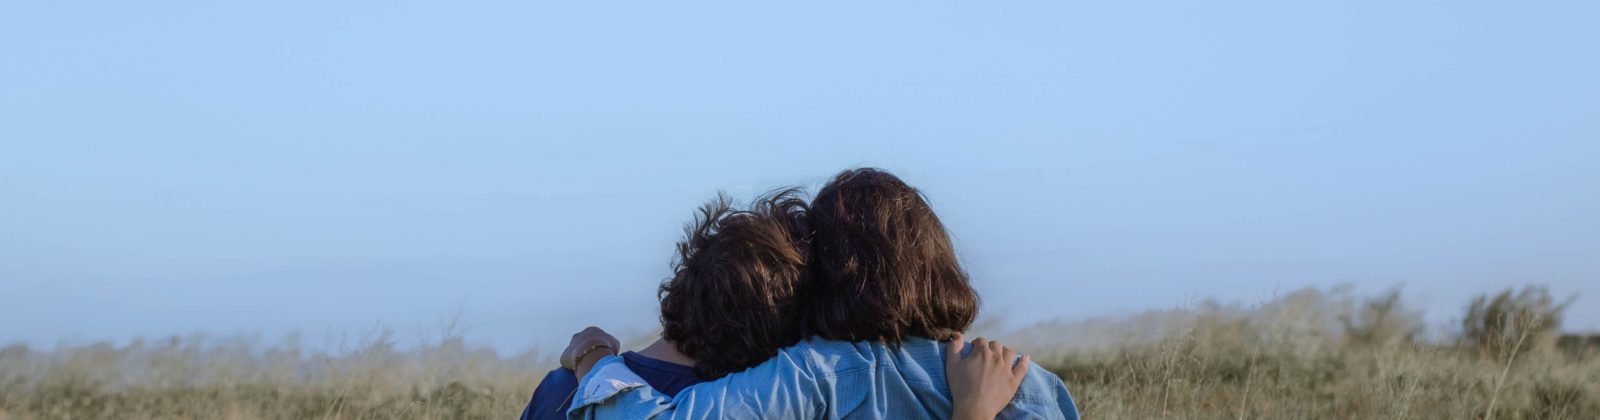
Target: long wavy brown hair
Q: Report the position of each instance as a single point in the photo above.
(882, 267)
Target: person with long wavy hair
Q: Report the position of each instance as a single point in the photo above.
(882, 311)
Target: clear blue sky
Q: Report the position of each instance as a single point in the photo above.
(168, 167)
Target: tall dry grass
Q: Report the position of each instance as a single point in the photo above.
(237, 378)
(1314, 354)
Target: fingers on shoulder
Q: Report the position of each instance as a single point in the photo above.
(1020, 369)
(980, 344)
(952, 349)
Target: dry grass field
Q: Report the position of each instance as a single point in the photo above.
(1310, 354)
(1321, 355)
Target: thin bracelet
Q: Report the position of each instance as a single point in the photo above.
(578, 360)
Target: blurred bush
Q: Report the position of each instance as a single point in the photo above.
(1511, 321)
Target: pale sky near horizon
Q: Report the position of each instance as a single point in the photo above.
(173, 167)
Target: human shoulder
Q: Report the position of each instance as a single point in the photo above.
(836, 357)
(550, 398)
(1040, 385)
(558, 379)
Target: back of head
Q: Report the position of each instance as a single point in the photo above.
(731, 301)
(882, 266)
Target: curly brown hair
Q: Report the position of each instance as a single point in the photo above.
(882, 267)
(731, 302)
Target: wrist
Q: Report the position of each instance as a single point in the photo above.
(576, 350)
(591, 350)
(586, 362)
(960, 414)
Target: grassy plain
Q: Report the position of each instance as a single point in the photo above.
(1311, 354)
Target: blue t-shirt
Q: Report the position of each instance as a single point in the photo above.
(554, 394)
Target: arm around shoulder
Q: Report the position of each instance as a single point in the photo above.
(783, 387)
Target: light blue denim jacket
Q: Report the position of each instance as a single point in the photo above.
(815, 379)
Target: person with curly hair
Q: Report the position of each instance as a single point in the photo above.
(729, 305)
(883, 305)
